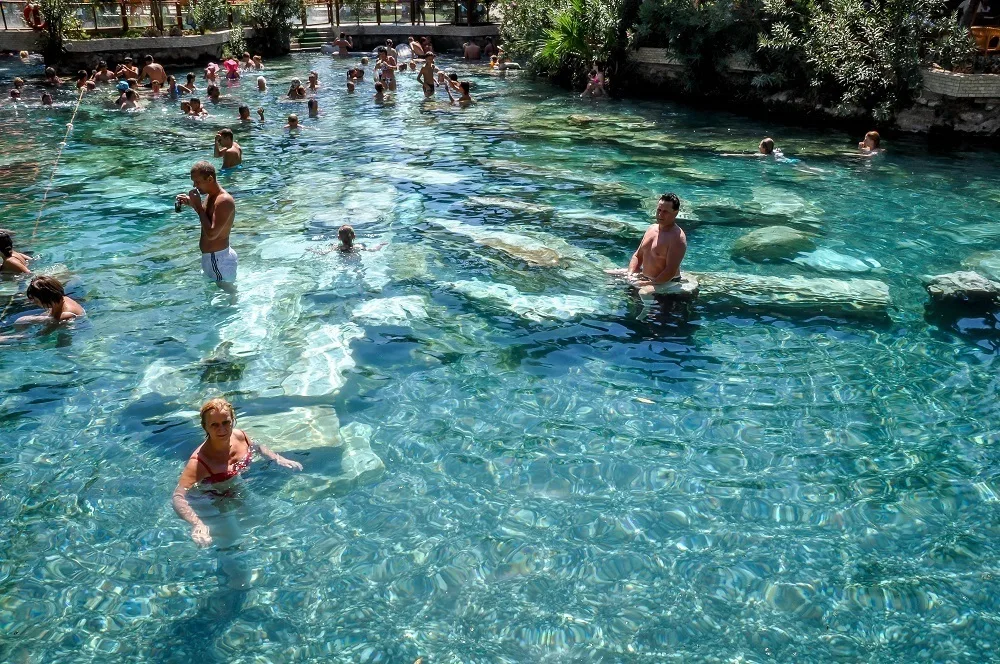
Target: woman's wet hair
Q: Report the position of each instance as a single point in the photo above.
(46, 290)
(346, 233)
(218, 404)
(6, 243)
(768, 145)
(379, 87)
(876, 139)
(190, 77)
(465, 86)
(49, 72)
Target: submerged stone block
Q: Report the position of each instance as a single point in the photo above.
(772, 243)
(798, 294)
(963, 288)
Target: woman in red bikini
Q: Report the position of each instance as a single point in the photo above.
(217, 463)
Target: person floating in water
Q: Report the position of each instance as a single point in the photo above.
(13, 262)
(871, 145)
(293, 123)
(347, 246)
(658, 258)
(227, 148)
(217, 463)
(48, 293)
(218, 260)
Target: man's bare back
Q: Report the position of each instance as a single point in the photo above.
(658, 258)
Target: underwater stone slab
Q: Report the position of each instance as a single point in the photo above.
(963, 288)
(796, 293)
(828, 260)
(339, 458)
(532, 307)
(986, 263)
(399, 310)
(772, 243)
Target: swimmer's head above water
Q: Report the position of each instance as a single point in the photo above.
(766, 146)
(667, 208)
(244, 111)
(204, 178)
(346, 236)
(218, 418)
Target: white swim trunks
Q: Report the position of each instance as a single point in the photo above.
(220, 265)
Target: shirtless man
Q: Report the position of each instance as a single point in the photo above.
(416, 48)
(197, 110)
(658, 258)
(127, 70)
(218, 260)
(103, 74)
(343, 43)
(472, 51)
(152, 71)
(229, 149)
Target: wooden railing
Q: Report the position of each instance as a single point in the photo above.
(132, 14)
(394, 12)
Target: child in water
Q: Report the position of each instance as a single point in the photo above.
(48, 293)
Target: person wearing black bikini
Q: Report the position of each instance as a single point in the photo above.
(216, 464)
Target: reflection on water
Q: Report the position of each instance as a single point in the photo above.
(508, 457)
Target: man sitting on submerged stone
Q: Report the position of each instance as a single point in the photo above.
(658, 258)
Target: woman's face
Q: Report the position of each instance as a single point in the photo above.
(219, 424)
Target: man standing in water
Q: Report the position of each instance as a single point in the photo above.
(152, 71)
(343, 43)
(658, 258)
(227, 148)
(218, 260)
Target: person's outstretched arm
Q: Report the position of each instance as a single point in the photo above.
(267, 453)
(189, 477)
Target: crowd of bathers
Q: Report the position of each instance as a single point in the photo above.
(133, 86)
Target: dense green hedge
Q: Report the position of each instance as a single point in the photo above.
(853, 54)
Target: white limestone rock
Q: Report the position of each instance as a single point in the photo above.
(771, 243)
(963, 288)
(798, 294)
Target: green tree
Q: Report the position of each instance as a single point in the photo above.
(272, 24)
(210, 14)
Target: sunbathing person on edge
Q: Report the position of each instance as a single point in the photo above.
(216, 464)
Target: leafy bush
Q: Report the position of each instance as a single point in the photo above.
(870, 56)
(272, 24)
(955, 47)
(236, 45)
(210, 14)
(701, 34)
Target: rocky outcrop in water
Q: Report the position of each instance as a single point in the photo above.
(797, 294)
(963, 288)
(772, 243)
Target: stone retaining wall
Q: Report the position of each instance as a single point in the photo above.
(188, 49)
(962, 86)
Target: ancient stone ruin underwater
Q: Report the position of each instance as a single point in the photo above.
(508, 457)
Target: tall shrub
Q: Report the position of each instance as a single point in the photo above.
(210, 14)
(869, 54)
(56, 13)
(272, 24)
(703, 35)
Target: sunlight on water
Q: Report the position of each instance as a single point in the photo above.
(507, 457)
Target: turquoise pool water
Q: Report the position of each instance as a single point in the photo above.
(541, 471)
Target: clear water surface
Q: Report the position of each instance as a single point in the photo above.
(507, 458)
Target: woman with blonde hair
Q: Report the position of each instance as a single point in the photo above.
(216, 464)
